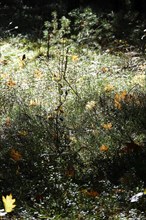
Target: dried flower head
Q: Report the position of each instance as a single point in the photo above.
(90, 105)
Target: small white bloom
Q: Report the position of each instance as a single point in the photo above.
(2, 212)
(136, 197)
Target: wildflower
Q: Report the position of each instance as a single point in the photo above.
(103, 148)
(75, 58)
(107, 126)
(2, 213)
(15, 155)
(90, 105)
(136, 197)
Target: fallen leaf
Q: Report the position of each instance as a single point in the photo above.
(10, 83)
(103, 148)
(107, 126)
(15, 155)
(8, 203)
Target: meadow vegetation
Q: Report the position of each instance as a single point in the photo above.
(73, 120)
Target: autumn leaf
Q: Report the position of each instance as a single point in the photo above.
(104, 69)
(108, 88)
(10, 83)
(74, 58)
(103, 148)
(118, 104)
(15, 155)
(107, 126)
(91, 193)
(119, 97)
(8, 203)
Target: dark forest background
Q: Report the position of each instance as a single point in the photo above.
(67, 5)
(115, 5)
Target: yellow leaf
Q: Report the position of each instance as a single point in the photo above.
(74, 58)
(107, 126)
(8, 203)
(108, 88)
(119, 97)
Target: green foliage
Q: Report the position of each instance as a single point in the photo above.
(72, 126)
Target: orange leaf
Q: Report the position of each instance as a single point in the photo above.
(15, 155)
(90, 192)
(103, 148)
(10, 83)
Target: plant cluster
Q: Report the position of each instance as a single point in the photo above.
(72, 123)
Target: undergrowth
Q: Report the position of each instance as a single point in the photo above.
(72, 123)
